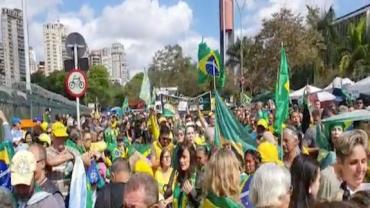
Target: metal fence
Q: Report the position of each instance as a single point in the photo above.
(16, 101)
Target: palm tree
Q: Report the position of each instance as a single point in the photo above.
(355, 52)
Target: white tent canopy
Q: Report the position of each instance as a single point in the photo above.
(339, 82)
(362, 86)
(321, 95)
(299, 93)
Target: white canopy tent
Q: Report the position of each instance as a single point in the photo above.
(361, 87)
(339, 82)
(321, 95)
(299, 93)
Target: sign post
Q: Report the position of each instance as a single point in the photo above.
(76, 82)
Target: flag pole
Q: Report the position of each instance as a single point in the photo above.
(214, 75)
(281, 132)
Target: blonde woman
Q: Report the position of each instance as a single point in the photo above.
(222, 181)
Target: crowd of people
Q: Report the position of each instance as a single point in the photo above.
(144, 159)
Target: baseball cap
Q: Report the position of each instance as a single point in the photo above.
(263, 123)
(45, 138)
(22, 168)
(162, 119)
(59, 130)
(16, 120)
(269, 153)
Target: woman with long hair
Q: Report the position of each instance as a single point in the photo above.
(181, 186)
(163, 173)
(305, 174)
(222, 181)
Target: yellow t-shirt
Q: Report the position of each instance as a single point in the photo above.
(162, 178)
(99, 146)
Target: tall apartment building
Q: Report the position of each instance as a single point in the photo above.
(95, 57)
(54, 46)
(119, 65)
(106, 59)
(13, 45)
(114, 60)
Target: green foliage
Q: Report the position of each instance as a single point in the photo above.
(132, 88)
(316, 51)
(100, 88)
(175, 71)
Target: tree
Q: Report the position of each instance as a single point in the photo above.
(355, 53)
(99, 86)
(262, 52)
(171, 69)
(132, 88)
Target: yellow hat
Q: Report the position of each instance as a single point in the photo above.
(44, 126)
(269, 153)
(141, 166)
(263, 122)
(162, 119)
(59, 130)
(22, 168)
(45, 138)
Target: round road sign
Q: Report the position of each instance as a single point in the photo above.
(76, 83)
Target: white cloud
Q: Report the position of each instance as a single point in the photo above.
(143, 26)
(190, 45)
(252, 21)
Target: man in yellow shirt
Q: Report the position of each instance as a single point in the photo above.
(164, 140)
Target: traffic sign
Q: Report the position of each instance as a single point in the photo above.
(75, 39)
(76, 83)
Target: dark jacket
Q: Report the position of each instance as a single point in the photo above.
(111, 196)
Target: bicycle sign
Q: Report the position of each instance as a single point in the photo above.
(76, 83)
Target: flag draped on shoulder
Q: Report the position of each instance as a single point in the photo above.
(209, 65)
(282, 93)
(229, 130)
(145, 90)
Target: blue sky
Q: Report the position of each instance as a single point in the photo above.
(144, 26)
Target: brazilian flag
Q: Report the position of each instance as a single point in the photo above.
(209, 65)
(214, 201)
(6, 151)
(229, 130)
(282, 93)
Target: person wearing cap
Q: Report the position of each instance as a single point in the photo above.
(16, 131)
(22, 171)
(58, 157)
(262, 126)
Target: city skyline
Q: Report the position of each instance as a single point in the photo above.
(145, 26)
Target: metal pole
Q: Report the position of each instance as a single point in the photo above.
(214, 75)
(26, 54)
(77, 98)
(241, 8)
